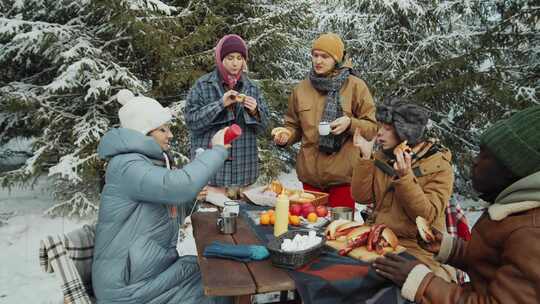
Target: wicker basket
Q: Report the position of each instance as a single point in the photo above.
(321, 198)
(293, 260)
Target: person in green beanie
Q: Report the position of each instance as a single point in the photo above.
(502, 258)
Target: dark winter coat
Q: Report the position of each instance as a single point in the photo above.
(135, 258)
(502, 258)
(205, 114)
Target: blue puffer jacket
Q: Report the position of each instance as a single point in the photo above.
(135, 258)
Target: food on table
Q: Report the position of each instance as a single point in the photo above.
(295, 195)
(301, 242)
(332, 227)
(312, 217)
(276, 187)
(343, 230)
(377, 238)
(303, 197)
(361, 241)
(264, 219)
(321, 211)
(272, 218)
(424, 229)
(307, 208)
(295, 209)
(294, 220)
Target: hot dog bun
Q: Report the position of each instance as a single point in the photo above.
(390, 237)
(425, 231)
(357, 232)
(279, 130)
(402, 147)
(240, 97)
(332, 227)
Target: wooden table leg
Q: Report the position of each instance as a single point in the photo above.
(245, 299)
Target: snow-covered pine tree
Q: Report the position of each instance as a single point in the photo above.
(57, 74)
(461, 59)
(172, 52)
(60, 61)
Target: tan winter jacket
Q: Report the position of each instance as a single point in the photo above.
(399, 201)
(502, 258)
(306, 106)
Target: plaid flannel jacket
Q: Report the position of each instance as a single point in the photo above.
(205, 114)
(70, 256)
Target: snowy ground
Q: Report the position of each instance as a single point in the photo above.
(21, 278)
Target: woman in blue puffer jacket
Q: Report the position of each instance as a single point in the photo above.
(135, 258)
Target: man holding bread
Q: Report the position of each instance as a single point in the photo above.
(323, 112)
(502, 258)
(409, 176)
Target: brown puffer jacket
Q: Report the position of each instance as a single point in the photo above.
(306, 106)
(399, 201)
(502, 259)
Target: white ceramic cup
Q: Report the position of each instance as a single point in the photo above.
(324, 128)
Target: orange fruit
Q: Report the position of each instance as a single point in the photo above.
(272, 219)
(312, 217)
(294, 220)
(270, 211)
(265, 219)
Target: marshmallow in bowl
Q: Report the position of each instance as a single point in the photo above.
(301, 242)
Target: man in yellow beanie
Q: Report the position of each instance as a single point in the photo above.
(502, 258)
(324, 111)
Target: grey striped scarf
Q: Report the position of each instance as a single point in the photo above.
(332, 110)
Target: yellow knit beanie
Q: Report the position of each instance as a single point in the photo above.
(331, 44)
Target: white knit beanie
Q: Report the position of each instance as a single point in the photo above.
(141, 113)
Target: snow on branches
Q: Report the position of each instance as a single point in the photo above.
(57, 79)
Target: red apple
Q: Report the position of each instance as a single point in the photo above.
(295, 209)
(321, 211)
(307, 209)
(306, 206)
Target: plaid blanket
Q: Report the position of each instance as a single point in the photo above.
(458, 227)
(456, 221)
(332, 278)
(70, 256)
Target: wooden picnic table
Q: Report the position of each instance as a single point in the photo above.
(223, 277)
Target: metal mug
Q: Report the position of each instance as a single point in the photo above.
(342, 213)
(231, 208)
(227, 224)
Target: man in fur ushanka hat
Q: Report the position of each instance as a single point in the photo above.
(502, 258)
(409, 176)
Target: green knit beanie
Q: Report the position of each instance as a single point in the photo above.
(515, 142)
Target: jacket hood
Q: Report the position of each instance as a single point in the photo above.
(122, 141)
(521, 196)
